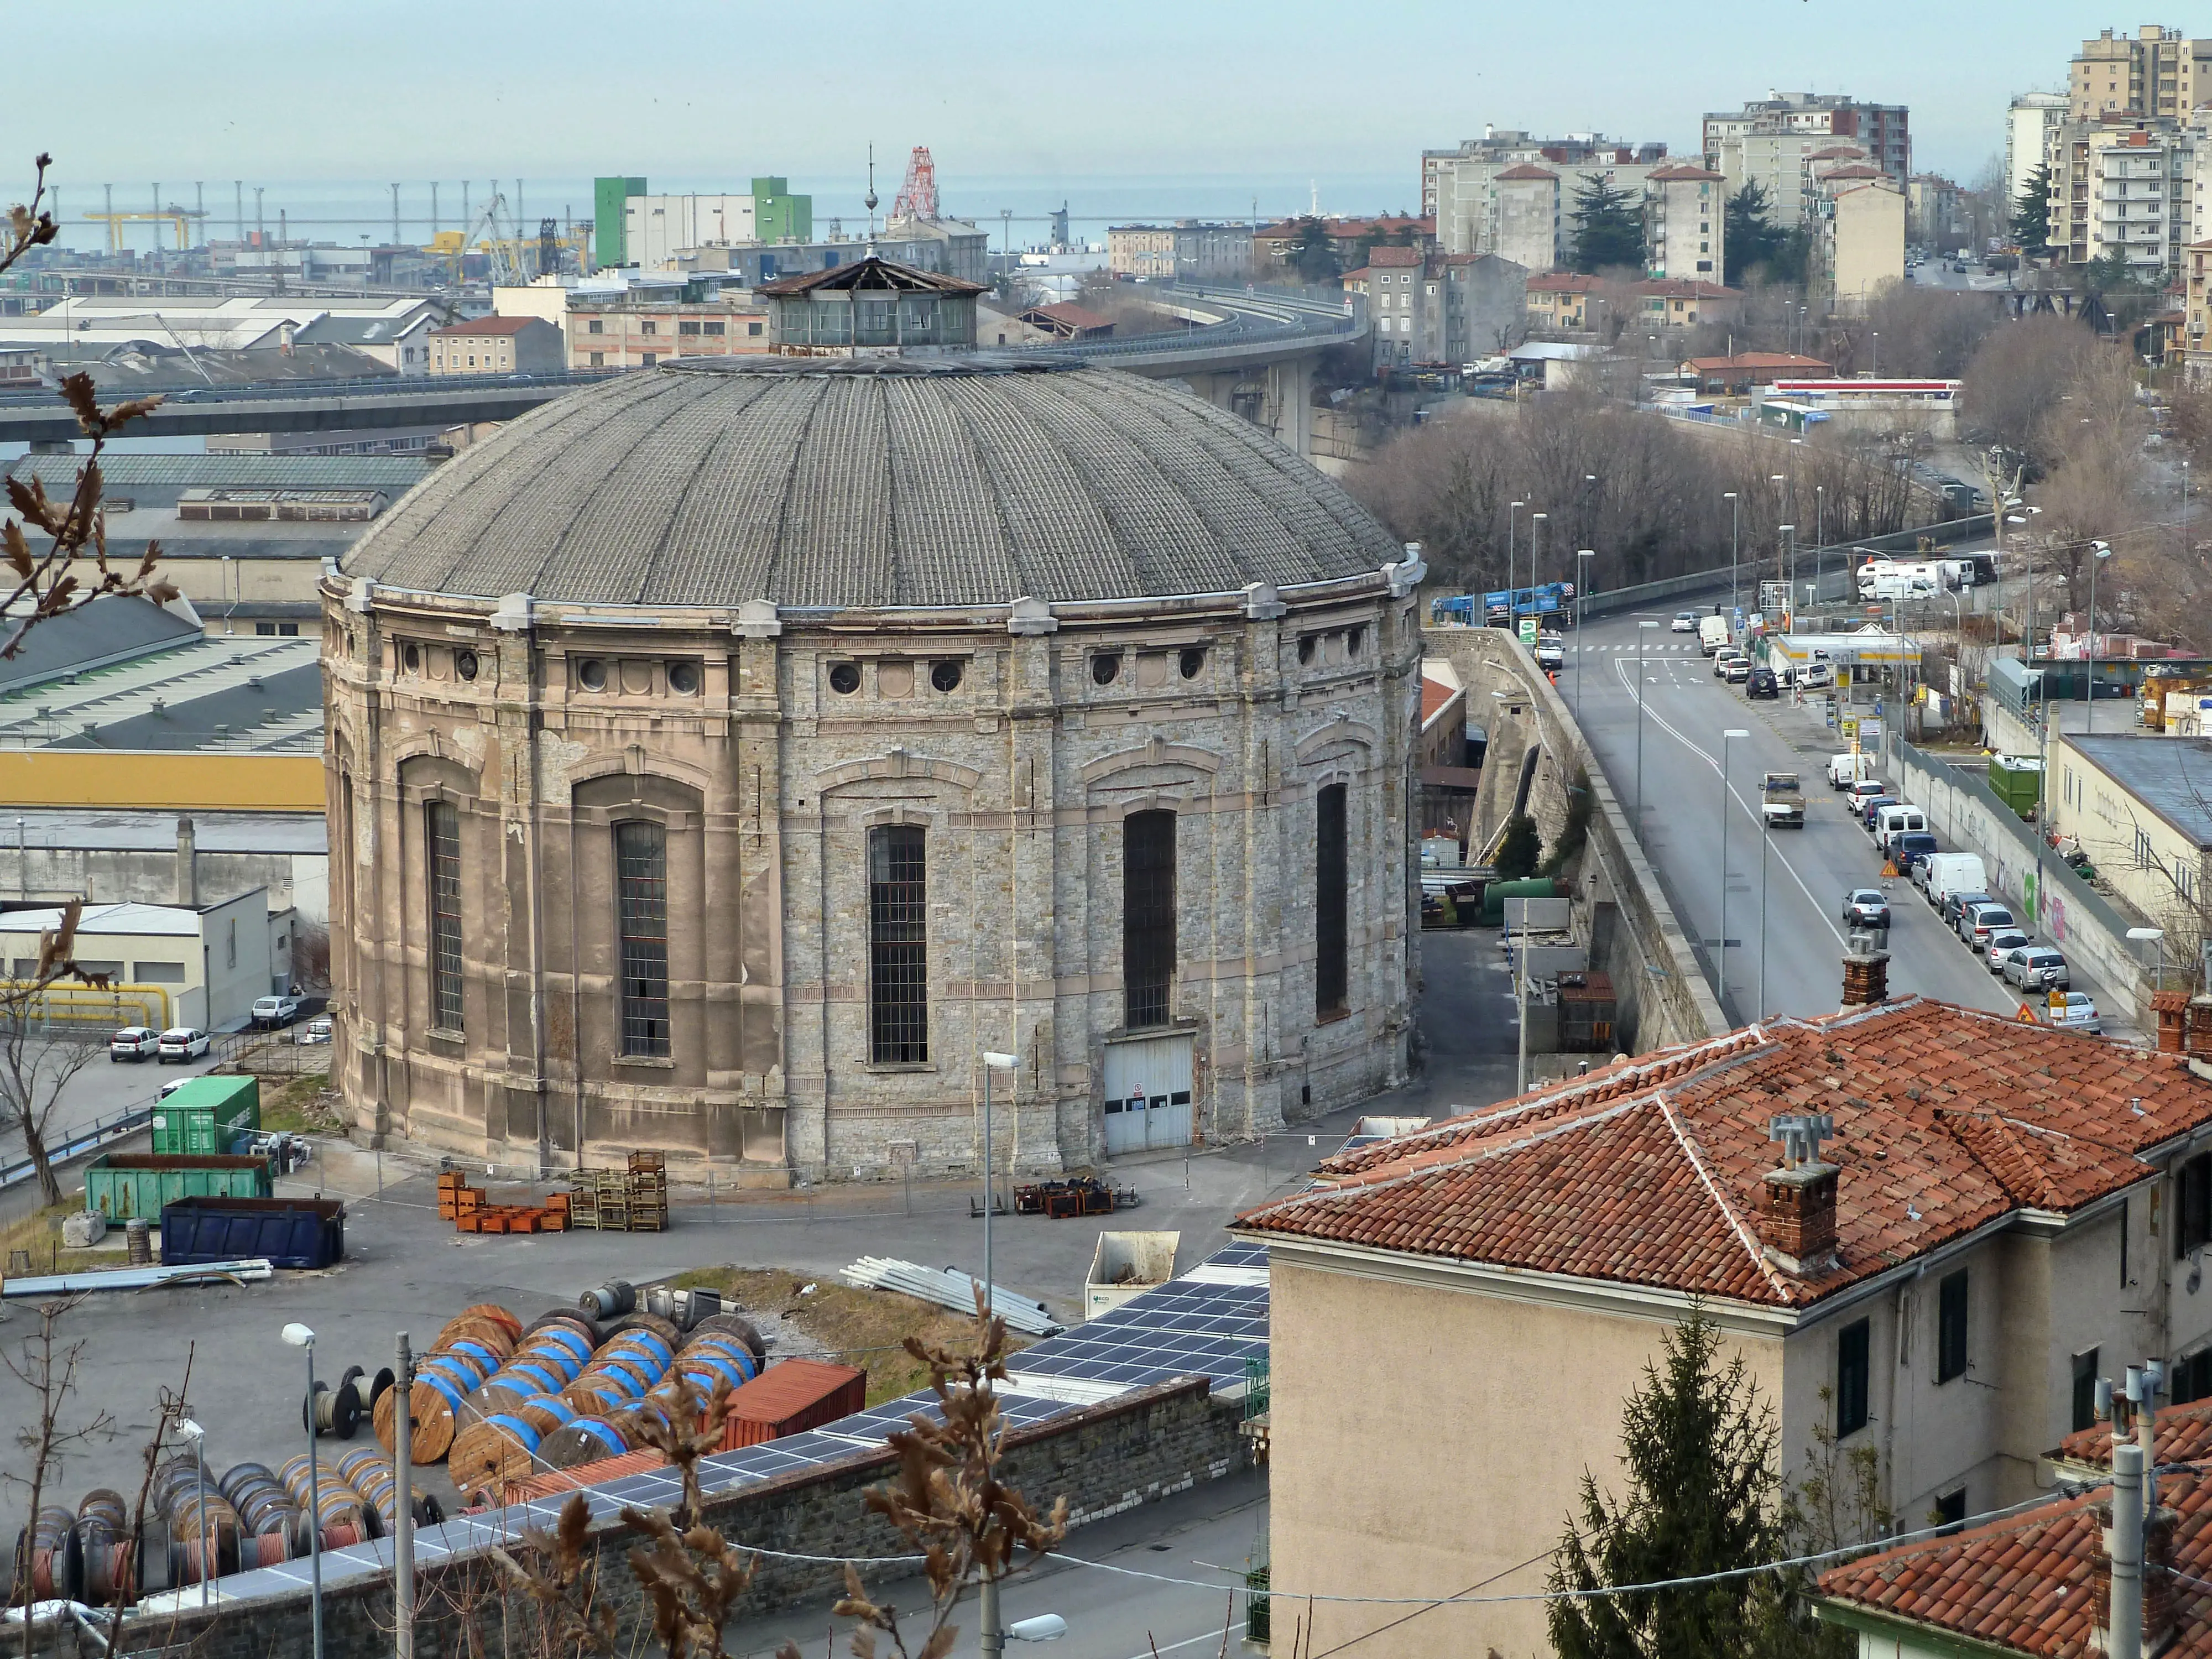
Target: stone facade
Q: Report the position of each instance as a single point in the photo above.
(991, 731)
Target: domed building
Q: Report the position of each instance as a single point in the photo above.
(724, 757)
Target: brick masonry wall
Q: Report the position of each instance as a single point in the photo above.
(1104, 1460)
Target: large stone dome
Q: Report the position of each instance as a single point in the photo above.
(871, 482)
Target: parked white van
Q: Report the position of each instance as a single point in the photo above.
(1946, 874)
(1712, 634)
(1844, 771)
(1897, 820)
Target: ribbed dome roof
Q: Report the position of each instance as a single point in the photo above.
(868, 482)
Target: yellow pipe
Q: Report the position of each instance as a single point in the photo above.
(160, 779)
(104, 1008)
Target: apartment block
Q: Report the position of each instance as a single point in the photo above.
(1685, 225)
(497, 345)
(1881, 131)
(2196, 345)
(1862, 242)
(1468, 191)
(1439, 309)
(2030, 123)
(2126, 184)
(2153, 72)
(1188, 250)
(1932, 216)
(640, 325)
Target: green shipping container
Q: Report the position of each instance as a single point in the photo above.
(1495, 894)
(205, 1115)
(137, 1189)
(2016, 782)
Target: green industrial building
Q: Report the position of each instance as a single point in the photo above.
(780, 216)
(610, 244)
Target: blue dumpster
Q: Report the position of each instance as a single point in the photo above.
(291, 1232)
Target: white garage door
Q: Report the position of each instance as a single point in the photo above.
(1147, 1094)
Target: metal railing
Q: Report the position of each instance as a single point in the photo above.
(100, 1132)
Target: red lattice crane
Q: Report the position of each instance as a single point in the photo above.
(917, 197)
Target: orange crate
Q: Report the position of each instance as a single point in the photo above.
(553, 1221)
(452, 1180)
(557, 1205)
(470, 1222)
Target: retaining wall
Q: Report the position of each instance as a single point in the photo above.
(1749, 569)
(1661, 992)
(1106, 1458)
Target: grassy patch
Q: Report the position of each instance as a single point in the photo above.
(293, 1103)
(40, 1233)
(861, 1328)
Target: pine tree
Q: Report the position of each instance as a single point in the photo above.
(1518, 849)
(2031, 212)
(1699, 1452)
(1608, 227)
(1313, 256)
(1752, 242)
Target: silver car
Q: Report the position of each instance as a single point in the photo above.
(2075, 1013)
(2002, 943)
(2038, 967)
(1977, 921)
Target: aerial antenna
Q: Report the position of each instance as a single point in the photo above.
(871, 198)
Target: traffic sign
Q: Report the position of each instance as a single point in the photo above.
(1528, 632)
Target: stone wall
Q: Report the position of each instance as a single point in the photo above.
(1104, 1458)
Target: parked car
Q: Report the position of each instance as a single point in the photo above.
(2038, 969)
(1849, 768)
(133, 1043)
(2003, 941)
(1761, 683)
(269, 1013)
(1737, 671)
(2076, 1013)
(1977, 921)
(1901, 818)
(1907, 850)
(1868, 810)
(181, 1042)
(316, 1030)
(1866, 907)
(1816, 676)
(1686, 622)
(1963, 898)
(1864, 790)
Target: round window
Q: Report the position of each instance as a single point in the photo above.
(1194, 662)
(410, 657)
(464, 664)
(1306, 649)
(944, 676)
(592, 674)
(845, 679)
(1105, 668)
(683, 678)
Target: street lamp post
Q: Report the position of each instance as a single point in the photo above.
(1766, 842)
(1535, 548)
(1721, 957)
(301, 1337)
(1640, 627)
(193, 1432)
(1819, 518)
(1877, 354)
(1582, 582)
(1785, 559)
(1780, 483)
(2099, 551)
(1512, 521)
(1736, 525)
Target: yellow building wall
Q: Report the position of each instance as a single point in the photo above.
(1422, 1440)
(2087, 803)
(161, 779)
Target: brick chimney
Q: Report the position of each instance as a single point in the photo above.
(2196, 1027)
(1797, 1202)
(1866, 973)
(2171, 1008)
(2158, 1610)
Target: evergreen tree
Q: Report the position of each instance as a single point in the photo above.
(1313, 256)
(1518, 848)
(1752, 242)
(1702, 1497)
(2031, 212)
(1608, 227)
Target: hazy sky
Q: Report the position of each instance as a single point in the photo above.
(1049, 95)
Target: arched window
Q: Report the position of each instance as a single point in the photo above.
(898, 947)
(1148, 919)
(441, 841)
(642, 907)
(1332, 963)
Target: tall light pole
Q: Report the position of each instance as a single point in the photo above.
(193, 1432)
(1726, 737)
(2100, 552)
(1766, 842)
(1820, 517)
(1582, 581)
(1780, 483)
(1785, 559)
(2184, 507)
(1640, 627)
(1735, 526)
(1877, 354)
(1535, 551)
(1512, 518)
(301, 1337)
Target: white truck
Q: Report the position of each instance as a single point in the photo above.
(1847, 769)
(1782, 801)
(1942, 874)
(1712, 634)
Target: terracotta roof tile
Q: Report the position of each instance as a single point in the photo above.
(1650, 1171)
(1525, 171)
(1394, 257)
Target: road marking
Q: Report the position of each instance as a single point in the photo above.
(1664, 725)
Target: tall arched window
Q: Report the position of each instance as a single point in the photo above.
(1332, 962)
(442, 842)
(898, 947)
(1148, 918)
(641, 906)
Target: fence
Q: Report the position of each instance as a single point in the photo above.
(100, 1132)
(1942, 534)
(2081, 921)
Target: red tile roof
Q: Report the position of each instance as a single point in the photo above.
(1650, 1171)
(1856, 170)
(1394, 255)
(1684, 288)
(1436, 697)
(487, 326)
(1525, 171)
(2027, 1582)
(1563, 282)
(1836, 152)
(1685, 172)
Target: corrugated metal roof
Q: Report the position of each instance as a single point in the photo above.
(2171, 776)
(394, 473)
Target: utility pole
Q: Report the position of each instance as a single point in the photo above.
(402, 1507)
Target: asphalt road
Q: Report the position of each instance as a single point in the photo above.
(1783, 952)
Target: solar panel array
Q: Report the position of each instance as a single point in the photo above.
(1186, 1327)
